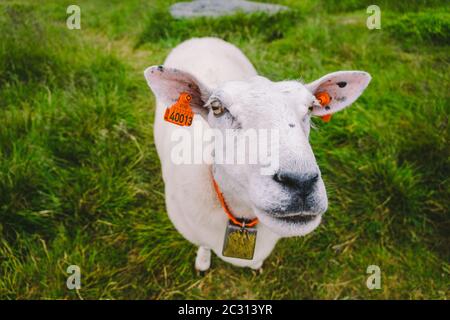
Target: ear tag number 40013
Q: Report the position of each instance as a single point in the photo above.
(180, 113)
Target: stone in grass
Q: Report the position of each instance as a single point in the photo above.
(217, 8)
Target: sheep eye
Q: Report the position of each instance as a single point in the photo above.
(314, 104)
(217, 108)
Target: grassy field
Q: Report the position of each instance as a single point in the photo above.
(80, 181)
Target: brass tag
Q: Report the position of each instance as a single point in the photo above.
(239, 242)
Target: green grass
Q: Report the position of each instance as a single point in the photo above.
(80, 180)
(429, 26)
(244, 26)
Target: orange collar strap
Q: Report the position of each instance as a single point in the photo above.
(227, 211)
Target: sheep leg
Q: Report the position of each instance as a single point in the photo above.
(258, 267)
(203, 259)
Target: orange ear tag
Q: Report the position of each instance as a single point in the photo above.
(324, 99)
(180, 113)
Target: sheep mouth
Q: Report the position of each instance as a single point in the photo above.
(297, 219)
(293, 218)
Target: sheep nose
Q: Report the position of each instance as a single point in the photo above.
(302, 183)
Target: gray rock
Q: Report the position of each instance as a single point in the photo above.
(216, 8)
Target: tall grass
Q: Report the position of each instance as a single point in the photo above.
(162, 26)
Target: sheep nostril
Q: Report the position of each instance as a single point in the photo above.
(308, 184)
(302, 183)
(314, 178)
(277, 178)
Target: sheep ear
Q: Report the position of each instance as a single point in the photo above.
(168, 83)
(343, 87)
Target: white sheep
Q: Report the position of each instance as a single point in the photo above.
(228, 94)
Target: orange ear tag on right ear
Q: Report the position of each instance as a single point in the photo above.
(180, 113)
(324, 99)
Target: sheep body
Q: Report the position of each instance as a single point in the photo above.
(191, 202)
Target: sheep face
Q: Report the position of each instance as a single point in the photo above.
(289, 197)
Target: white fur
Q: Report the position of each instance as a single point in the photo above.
(221, 71)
